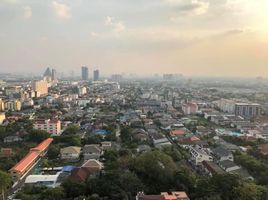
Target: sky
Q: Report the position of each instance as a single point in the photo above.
(190, 37)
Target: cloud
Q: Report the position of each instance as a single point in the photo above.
(62, 10)
(189, 7)
(94, 34)
(116, 26)
(27, 12)
(11, 1)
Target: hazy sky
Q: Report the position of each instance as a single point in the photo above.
(193, 37)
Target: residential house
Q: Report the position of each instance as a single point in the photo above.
(10, 139)
(80, 174)
(163, 196)
(94, 165)
(264, 149)
(211, 168)
(106, 145)
(198, 155)
(220, 153)
(92, 151)
(6, 152)
(228, 165)
(243, 173)
(70, 153)
(177, 133)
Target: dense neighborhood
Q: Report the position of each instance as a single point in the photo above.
(175, 139)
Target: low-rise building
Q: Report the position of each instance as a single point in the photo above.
(71, 153)
(163, 196)
(92, 151)
(25, 164)
(12, 138)
(51, 126)
(199, 155)
(6, 152)
(2, 117)
(228, 165)
(220, 153)
(42, 180)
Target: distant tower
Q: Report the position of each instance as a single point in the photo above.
(47, 75)
(84, 71)
(96, 75)
(54, 75)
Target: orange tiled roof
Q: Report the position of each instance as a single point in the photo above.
(31, 157)
(26, 162)
(43, 145)
(177, 132)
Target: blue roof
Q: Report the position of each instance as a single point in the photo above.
(68, 168)
(101, 132)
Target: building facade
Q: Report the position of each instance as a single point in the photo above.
(96, 75)
(247, 110)
(40, 87)
(48, 125)
(84, 73)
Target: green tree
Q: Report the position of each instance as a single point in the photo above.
(5, 182)
(53, 152)
(37, 136)
(156, 170)
(53, 193)
(71, 130)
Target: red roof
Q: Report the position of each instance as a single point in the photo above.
(178, 132)
(31, 157)
(26, 162)
(43, 145)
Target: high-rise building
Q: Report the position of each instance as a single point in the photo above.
(96, 75)
(116, 77)
(248, 110)
(54, 75)
(40, 87)
(84, 71)
(47, 75)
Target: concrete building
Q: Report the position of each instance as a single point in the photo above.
(96, 75)
(248, 110)
(54, 75)
(190, 108)
(226, 105)
(198, 155)
(2, 117)
(13, 105)
(235, 106)
(50, 126)
(2, 105)
(84, 73)
(82, 90)
(40, 87)
(42, 180)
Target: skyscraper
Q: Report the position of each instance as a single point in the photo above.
(96, 75)
(54, 75)
(84, 71)
(47, 75)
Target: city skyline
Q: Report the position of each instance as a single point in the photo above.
(190, 37)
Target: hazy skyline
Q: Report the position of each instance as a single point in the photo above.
(192, 37)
